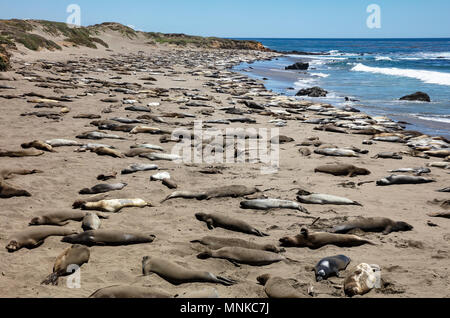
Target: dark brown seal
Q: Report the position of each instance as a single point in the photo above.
(375, 224)
(218, 220)
(342, 170)
(34, 237)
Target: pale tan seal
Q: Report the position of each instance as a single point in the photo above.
(74, 255)
(319, 239)
(277, 287)
(115, 205)
(34, 237)
(361, 279)
(38, 144)
(177, 274)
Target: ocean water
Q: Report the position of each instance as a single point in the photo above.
(374, 73)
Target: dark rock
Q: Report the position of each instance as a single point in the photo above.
(418, 96)
(298, 66)
(312, 92)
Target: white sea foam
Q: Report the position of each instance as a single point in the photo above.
(320, 74)
(430, 77)
(383, 58)
(433, 118)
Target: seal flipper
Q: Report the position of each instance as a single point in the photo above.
(51, 279)
(387, 230)
(225, 281)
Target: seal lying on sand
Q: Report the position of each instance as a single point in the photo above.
(318, 198)
(342, 170)
(108, 238)
(319, 239)
(139, 167)
(277, 287)
(402, 179)
(7, 191)
(90, 222)
(114, 206)
(330, 266)
(34, 237)
(376, 224)
(61, 218)
(216, 243)
(21, 153)
(218, 220)
(102, 188)
(240, 255)
(38, 144)
(233, 191)
(361, 280)
(267, 204)
(445, 214)
(9, 173)
(177, 274)
(129, 292)
(64, 264)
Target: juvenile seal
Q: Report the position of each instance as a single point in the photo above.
(61, 218)
(240, 255)
(114, 206)
(64, 264)
(388, 155)
(96, 135)
(445, 214)
(103, 151)
(375, 224)
(139, 167)
(342, 170)
(215, 243)
(361, 279)
(218, 220)
(148, 146)
(403, 179)
(336, 152)
(10, 173)
(319, 239)
(38, 144)
(233, 191)
(77, 204)
(7, 191)
(160, 156)
(21, 153)
(330, 266)
(90, 222)
(34, 237)
(277, 287)
(62, 143)
(108, 238)
(137, 152)
(102, 188)
(267, 204)
(318, 198)
(129, 292)
(177, 274)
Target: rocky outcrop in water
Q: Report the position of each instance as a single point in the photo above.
(418, 96)
(312, 92)
(298, 66)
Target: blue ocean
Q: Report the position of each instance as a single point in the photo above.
(372, 73)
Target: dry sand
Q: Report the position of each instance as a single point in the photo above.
(415, 263)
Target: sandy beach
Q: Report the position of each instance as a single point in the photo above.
(413, 263)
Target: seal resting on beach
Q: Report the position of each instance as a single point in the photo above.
(233, 191)
(402, 179)
(177, 274)
(61, 218)
(216, 243)
(218, 220)
(9, 173)
(108, 238)
(277, 287)
(267, 204)
(330, 266)
(90, 222)
(74, 255)
(129, 292)
(21, 153)
(102, 188)
(375, 224)
(319, 239)
(38, 144)
(361, 279)
(342, 170)
(34, 237)
(318, 198)
(445, 214)
(103, 151)
(240, 255)
(115, 205)
(7, 191)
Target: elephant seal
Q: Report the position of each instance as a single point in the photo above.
(318, 198)
(137, 152)
(90, 222)
(38, 144)
(402, 179)
(61, 218)
(447, 189)
(336, 152)
(445, 214)
(102, 188)
(388, 155)
(96, 135)
(177, 274)
(277, 287)
(74, 255)
(7, 191)
(233, 191)
(9, 173)
(319, 239)
(148, 146)
(21, 153)
(218, 220)
(342, 170)
(330, 266)
(160, 156)
(240, 255)
(216, 243)
(77, 204)
(103, 151)
(361, 279)
(34, 237)
(129, 292)
(62, 143)
(267, 204)
(375, 224)
(108, 238)
(203, 293)
(114, 206)
(139, 167)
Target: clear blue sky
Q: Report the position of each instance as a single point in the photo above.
(251, 18)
